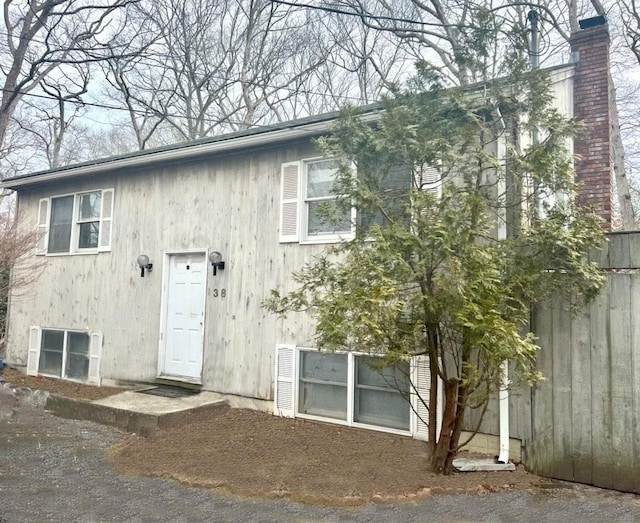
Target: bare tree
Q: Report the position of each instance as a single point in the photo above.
(456, 40)
(628, 100)
(112, 141)
(130, 59)
(18, 268)
(41, 35)
(214, 66)
(51, 122)
(631, 24)
(363, 64)
(452, 39)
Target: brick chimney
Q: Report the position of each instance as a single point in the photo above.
(593, 146)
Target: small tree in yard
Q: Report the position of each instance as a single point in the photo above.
(427, 272)
(17, 272)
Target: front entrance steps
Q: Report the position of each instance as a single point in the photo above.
(135, 412)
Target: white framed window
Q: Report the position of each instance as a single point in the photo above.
(65, 353)
(76, 223)
(349, 389)
(88, 219)
(323, 219)
(309, 212)
(323, 384)
(381, 396)
(393, 188)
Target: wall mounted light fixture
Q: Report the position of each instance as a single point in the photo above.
(216, 261)
(143, 263)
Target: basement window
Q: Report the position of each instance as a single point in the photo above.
(380, 395)
(351, 388)
(64, 354)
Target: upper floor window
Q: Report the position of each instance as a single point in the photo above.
(76, 223)
(323, 217)
(309, 211)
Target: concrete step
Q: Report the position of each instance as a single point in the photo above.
(135, 412)
(481, 465)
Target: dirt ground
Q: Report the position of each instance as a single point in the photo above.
(69, 389)
(252, 453)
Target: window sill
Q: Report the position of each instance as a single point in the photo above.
(325, 240)
(356, 425)
(78, 253)
(55, 377)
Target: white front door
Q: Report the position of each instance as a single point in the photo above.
(183, 334)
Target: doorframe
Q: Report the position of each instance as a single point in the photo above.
(166, 266)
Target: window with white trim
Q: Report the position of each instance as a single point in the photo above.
(65, 353)
(323, 384)
(381, 395)
(350, 387)
(76, 223)
(323, 218)
(309, 212)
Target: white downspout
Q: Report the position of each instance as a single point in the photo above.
(503, 397)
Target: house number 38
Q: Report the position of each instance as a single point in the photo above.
(222, 293)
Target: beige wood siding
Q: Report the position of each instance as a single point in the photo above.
(229, 204)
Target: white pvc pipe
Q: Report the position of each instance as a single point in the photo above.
(503, 398)
(503, 457)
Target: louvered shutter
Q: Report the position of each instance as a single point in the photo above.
(284, 404)
(439, 408)
(289, 202)
(106, 221)
(95, 354)
(429, 179)
(33, 357)
(421, 380)
(43, 226)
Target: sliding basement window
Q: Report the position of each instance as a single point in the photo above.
(64, 353)
(351, 388)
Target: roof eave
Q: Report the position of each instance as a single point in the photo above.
(180, 153)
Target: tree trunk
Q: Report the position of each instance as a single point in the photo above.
(445, 448)
(627, 213)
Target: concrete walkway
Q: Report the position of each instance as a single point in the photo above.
(136, 401)
(134, 411)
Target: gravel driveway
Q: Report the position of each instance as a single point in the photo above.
(53, 469)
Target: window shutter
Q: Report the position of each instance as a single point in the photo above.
(439, 408)
(429, 179)
(285, 381)
(421, 381)
(106, 221)
(33, 357)
(95, 353)
(289, 202)
(43, 226)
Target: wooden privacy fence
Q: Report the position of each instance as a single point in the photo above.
(585, 417)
